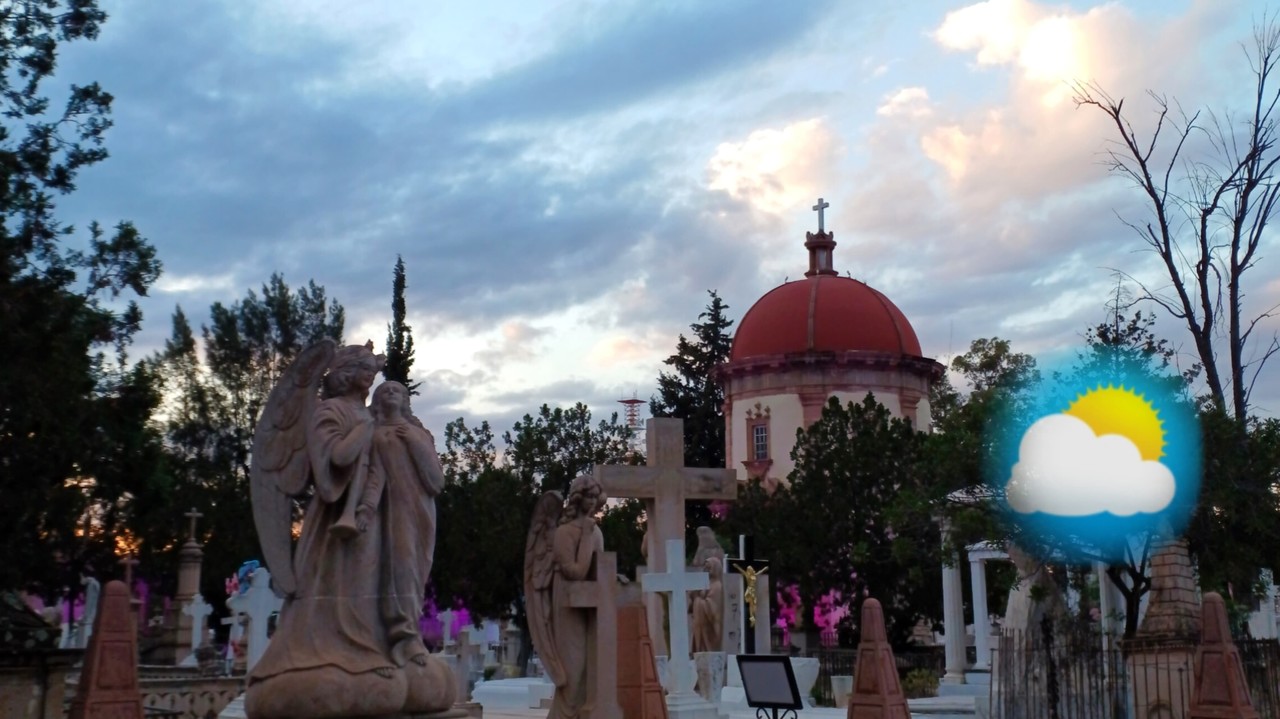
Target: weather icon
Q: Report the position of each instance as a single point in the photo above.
(1097, 461)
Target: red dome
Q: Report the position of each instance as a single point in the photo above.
(823, 313)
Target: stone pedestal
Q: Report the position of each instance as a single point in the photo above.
(1160, 676)
(711, 674)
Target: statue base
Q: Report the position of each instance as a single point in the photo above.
(331, 693)
(690, 706)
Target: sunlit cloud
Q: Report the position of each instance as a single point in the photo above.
(776, 170)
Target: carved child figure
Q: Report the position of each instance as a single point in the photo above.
(405, 476)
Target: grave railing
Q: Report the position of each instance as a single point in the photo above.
(1073, 677)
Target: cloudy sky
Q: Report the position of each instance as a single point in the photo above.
(567, 179)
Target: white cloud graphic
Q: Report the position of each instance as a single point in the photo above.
(1065, 469)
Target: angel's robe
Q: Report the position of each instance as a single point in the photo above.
(335, 619)
(575, 545)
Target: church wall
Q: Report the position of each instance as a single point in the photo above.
(785, 415)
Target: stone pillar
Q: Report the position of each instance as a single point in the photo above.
(953, 614)
(981, 617)
(811, 404)
(1160, 656)
(1110, 605)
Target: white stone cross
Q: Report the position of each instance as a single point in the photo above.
(198, 609)
(446, 629)
(678, 583)
(819, 208)
(665, 484)
(469, 639)
(259, 603)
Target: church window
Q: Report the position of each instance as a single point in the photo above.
(760, 441)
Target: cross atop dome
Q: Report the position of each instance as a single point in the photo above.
(820, 245)
(822, 205)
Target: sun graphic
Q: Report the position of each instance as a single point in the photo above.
(1118, 410)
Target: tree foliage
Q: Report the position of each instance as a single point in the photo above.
(399, 335)
(215, 401)
(487, 504)
(691, 393)
(549, 450)
(857, 517)
(77, 450)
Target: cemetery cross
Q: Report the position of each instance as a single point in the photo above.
(678, 583)
(666, 485)
(750, 568)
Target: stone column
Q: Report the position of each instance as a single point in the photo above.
(981, 617)
(1110, 605)
(953, 614)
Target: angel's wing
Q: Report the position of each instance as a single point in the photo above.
(281, 468)
(539, 573)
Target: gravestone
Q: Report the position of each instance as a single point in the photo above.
(640, 691)
(446, 630)
(666, 485)
(1219, 690)
(198, 610)
(258, 604)
(682, 701)
(877, 692)
(470, 640)
(109, 681)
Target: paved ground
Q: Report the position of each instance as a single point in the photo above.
(934, 708)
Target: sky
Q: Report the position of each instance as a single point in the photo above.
(566, 180)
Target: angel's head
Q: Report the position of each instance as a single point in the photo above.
(390, 400)
(352, 371)
(586, 497)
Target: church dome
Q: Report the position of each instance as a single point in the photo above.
(823, 313)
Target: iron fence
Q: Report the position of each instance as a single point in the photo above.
(838, 662)
(1067, 674)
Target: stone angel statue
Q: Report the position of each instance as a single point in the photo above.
(347, 643)
(564, 565)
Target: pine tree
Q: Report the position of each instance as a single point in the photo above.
(692, 394)
(399, 336)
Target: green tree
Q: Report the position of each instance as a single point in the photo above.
(860, 514)
(468, 452)
(215, 402)
(75, 440)
(692, 393)
(399, 335)
(487, 505)
(549, 450)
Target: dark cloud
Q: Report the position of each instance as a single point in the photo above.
(638, 51)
